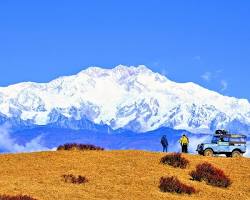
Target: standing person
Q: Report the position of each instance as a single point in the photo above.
(164, 143)
(184, 143)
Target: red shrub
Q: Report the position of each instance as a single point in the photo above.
(172, 184)
(196, 176)
(70, 178)
(72, 146)
(210, 174)
(175, 160)
(18, 197)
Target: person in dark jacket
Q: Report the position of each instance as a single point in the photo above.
(164, 143)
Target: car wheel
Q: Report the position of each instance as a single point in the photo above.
(208, 152)
(236, 154)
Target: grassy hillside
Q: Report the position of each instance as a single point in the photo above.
(115, 175)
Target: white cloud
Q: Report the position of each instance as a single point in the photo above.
(164, 72)
(193, 143)
(207, 76)
(8, 144)
(218, 72)
(197, 58)
(215, 76)
(156, 64)
(224, 85)
(195, 140)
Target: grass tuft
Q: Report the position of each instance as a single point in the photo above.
(175, 160)
(70, 178)
(173, 185)
(18, 197)
(211, 175)
(75, 146)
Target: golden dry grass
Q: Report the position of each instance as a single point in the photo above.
(118, 175)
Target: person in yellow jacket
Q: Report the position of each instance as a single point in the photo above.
(184, 141)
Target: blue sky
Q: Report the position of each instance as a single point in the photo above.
(206, 42)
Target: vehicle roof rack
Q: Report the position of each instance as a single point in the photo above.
(237, 136)
(232, 135)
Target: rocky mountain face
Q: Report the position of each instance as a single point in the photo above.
(130, 98)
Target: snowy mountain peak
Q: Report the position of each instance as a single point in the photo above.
(133, 98)
(118, 71)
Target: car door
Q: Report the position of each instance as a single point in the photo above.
(215, 145)
(223, 145)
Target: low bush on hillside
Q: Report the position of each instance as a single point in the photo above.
(70, 178)
(173, 185)
(211, 175)
(175, 160)
(75, 146)
(18, 197)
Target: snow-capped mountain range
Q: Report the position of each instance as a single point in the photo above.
(132, 98)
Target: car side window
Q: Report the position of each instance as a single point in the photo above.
(224, 139)
(237, 140)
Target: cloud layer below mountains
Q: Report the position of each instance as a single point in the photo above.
(8, 144)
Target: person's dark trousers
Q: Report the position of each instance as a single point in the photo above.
(184, 148)
(165, 148)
